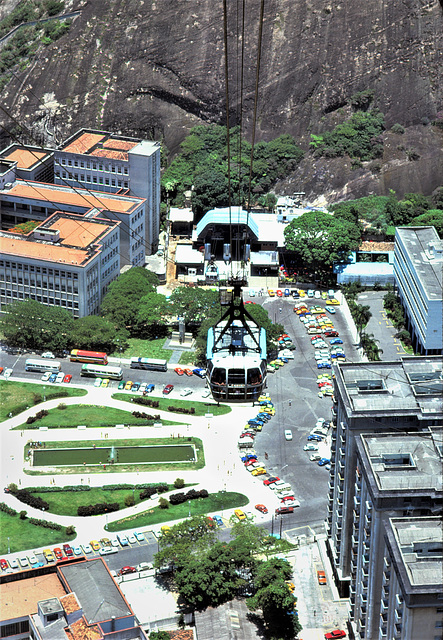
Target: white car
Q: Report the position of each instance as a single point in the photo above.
(315, 457)
(98, 382)
(140, 537)
(288, 434)
(310, 447)
(286, 353)
(8, 372)
(48, 354)
(60, 377)
(24, 562)
(317, 294)
(45, 377)
(32, 560)
(319, 432)
(143, 386)
(115, 542)
(320, 422)
(186, 391)
(13, 563)
(132, 539)
(77, 551)
(87, 548)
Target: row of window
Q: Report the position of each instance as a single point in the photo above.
(51, 272)
(44, 299)
(100, 166)
(92, 180)
(38, 283)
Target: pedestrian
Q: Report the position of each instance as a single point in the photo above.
(266, 456)
(290, 403)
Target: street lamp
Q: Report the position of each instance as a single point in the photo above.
(189, 505)
(44, 393)
(9, 548)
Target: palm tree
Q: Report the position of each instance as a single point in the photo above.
(371, 349)
(361, 314)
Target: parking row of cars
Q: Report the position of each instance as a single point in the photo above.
(104, 547)
(250, 460)
(56, 378)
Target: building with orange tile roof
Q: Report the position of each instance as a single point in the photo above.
(67, 261)
(77, 600)
(115, 164)
(30, 162)
(25, 201)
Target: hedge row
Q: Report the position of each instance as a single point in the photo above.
(192, 494)
(38, 416)
(33, 501)
(74, 487)
(97, 509)
(173, 409)
(147, 402)
(46, 524)
(150, 491)
(146, 416)
(4, 507)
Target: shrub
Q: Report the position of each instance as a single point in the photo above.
(129, 501)
(97, 509)
(45, 524)
(33, 501)
(70, 530)
(179, 483)
(6, 509)
(397, 128)
(62, 406)
(22, 515)
(163, 503)
(147, 493)
(148, 402)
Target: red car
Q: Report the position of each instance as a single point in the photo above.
(279, 293)
(332, 334)
(271, 480)
(317, 337)
(179, 371)
(252, 461)
(288, 499)
(281, 510)
(67, 378)
(188, 372)
(58, 553)
(337, 633)
(262, 508)
(68, 550)
(168, 389)
(247, 434)
(125, 570)
(3, 564)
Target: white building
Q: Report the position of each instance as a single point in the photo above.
(418, 264)
(98, 160)
(68, 261)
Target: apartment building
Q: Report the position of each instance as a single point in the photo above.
(411, 595)
(68, 261)
(418, 266)
(29, 162)
(99, 160)
(373, 397)
(396, 475)
(24, 201)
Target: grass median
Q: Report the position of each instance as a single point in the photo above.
(201, 408)
(17, 534)
(16, 397)
(214, 502)
(92, 416)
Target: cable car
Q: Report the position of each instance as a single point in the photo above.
(236, 352)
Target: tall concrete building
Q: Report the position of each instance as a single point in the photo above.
(397, 475)
(98, 160)
(418, 265)
(403, 395)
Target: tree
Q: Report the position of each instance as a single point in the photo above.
(195, 304)
(210, 191)
(159, 635)
(151, 319)
(361, 314)
(319, 240)
(122, 301)
(432, 218)
(32, 325)
(98, 334)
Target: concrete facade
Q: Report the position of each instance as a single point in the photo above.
(418, 264)
(373, 397)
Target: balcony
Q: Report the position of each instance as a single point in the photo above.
(354, 541)
(383, 632)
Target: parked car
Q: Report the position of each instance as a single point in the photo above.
(4, 564)
(67, 378)
(143, 386)
(240, 514)
(105, 383)
(121, 384)
(323, 461)
(48, 354)
(258, 472)
(315, 457)
(95, 545)
(249, 456)
(86, 548)
(288, 434)
(218, 521)
(179, 371)
(310, 447)
(201, 373)
(337, 633)
(49, 556)
(52, 378)
(139, 536)
(261, 508)
(45, 377)
(186, 392)
(188, 372)
(336, 341)
(330, 309)
(283, 509)
(124, 570)
(150, 388)
(68, 550)
(331, 334)
(271, 480)
(168, 388)
(135, 386)
(58, 553)
(321, 577)
(315, 437)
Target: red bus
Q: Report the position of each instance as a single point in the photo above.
(92, 357)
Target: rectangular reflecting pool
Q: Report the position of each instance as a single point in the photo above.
(114, 455)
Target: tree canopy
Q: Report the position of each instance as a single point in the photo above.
(36, 326)
(152, 315)
(195, 304)
(99, 334)
(319, 240)
(122, 301)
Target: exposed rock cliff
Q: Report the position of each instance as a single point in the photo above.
(155, 68)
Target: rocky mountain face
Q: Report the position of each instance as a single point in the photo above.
(156, 68)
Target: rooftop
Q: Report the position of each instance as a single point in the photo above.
(403, 462)
(230, 621)
(100, 597)
(25, 157)
(424, 249)
(19, 598)
(105, 145)
(63, 196)
(412, 385)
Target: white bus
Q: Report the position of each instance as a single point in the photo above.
(102, 371)
(42, 365)
(150, 364)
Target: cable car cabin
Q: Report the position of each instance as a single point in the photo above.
(236, 361)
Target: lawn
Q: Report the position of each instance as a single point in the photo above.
(201, 408)
(124, 468)
(145, 349)
(66, 503)
(214, 502)
(22, 532)
(16, 397)
(187, 357)
(91, 416)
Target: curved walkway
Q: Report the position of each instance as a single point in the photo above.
(223, 469)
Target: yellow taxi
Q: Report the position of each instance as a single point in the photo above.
(128, 385)
(95, 545)
(49, 556)
(271, 293)
(258, 472)
(105, 382)
(240, 514)
(332, 301)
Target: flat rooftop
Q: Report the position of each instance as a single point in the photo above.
(19, 598)
(25, 158)
(63, 196)
(418, 547)
(410, 385)
(102, 144)
(404, 461)
(417, 242)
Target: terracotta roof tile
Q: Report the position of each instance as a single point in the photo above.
(77, 233)
(122, 145)
(181, 634)
(25, 158)
(40, 251)
(110, 153)
(376, 246)
(84, 143)
(66, 196)
(80, 630)
(70, 603)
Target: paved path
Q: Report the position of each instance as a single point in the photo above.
(380, 325)
(223, 468)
